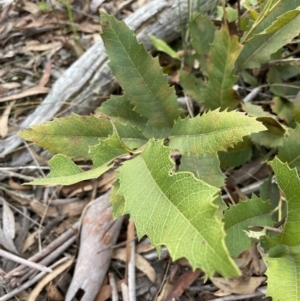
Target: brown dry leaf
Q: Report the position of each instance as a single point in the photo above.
(105, 291)
(143, 248)
(105, 183)
(30, 240)
(239, 286)
(70, 209)
(10, 86)
(4, 120)
(45, 78)
(53, 294)
(16, 186)
(184, 281)
(29, 92)
(141, 263)
(38, 288)
(165, 291)
(30, 7)
(87, 27)
(36, 46)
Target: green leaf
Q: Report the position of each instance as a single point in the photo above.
(70, 136)
(281, 22)
(283, 273)
(297, 110)
(273, 137)
(279, 80)
(259, 49)
(283, 108)
(220, 65)
(289, 183)
(205, 168)
(104, 152)
(192, 85)
(237, 155)
(270, 191)
(117, 201)
(212, 132)
(162, 46)
(65, 172)
(139, 74)
(120, 109)
(175, 210)
(238, 218)
(129, 135)
(202, 33)
(290, 150)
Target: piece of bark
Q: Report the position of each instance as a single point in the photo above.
(99, 232)
(165, 19)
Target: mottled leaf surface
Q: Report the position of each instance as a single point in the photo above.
(70, 136)
(220, 69)
(175, 210)
(205, 168)
(212, 132)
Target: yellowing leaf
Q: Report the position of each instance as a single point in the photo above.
(65, 172)
(70, 135)
(175, 210)
(220, 66)
(212, 132)
(162, 46)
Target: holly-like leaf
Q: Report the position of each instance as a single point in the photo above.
(283, 273)
(282, 21)
(258, 50)
(70, 135)
(65, 172)
(289, 183)
(273, 137)
(237, 155)
(205, 168)
(139, 74)
(212, 132)
(175, 210)
(220, 66)
(238, 218)
(120, 109)
(202, 33)
(290, 150)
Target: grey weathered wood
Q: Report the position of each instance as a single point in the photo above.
(88, 81)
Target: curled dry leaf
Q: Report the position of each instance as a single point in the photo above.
(141, 263)
(238, 285)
